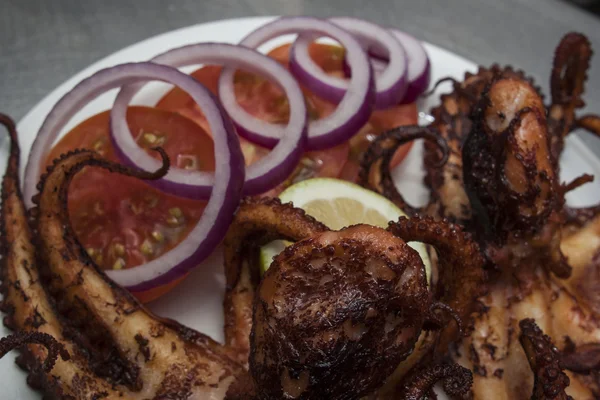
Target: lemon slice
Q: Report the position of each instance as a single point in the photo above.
(338, 204)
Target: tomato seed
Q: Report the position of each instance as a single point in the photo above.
(119, 249)
(176, 212)
(147, 248)
(173, 221)
(119, 264)
(150, 138)
(159, 237)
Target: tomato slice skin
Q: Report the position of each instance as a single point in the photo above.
(123, 221)
(266, 101)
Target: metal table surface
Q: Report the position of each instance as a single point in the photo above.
(43, 42)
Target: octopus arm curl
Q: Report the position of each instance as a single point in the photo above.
(567, 84)
(257, 222)
(549, 379)
(460, 268)
(375, 173)
(456, 381)
(55, 348)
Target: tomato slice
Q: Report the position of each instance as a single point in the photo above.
(123, 221)
(266, 101)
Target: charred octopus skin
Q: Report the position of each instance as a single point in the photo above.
(258, 221)
(84, 337)
(323, 300)
(508, 168)
(550, 381)
(340, 304)
(501, 183)
(511, 178)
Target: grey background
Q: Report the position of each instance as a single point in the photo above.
(43, 42)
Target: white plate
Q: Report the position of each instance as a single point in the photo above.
(197, 301)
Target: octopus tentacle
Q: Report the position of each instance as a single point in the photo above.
(27, 305)
(55, 348)
(335, 305)
(567, 84)
(577, 182)
(456, 381)
(375, 171)
(543, 357)
(590, 123)
(159, 359)
(579, 216)
(438, 83)
(460, 268)
(258, 221)
(438, 306)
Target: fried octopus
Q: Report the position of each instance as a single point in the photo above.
(501, 183)
(332, 318)
(338, 311)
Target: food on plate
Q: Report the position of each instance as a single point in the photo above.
(266, 173)
(266, 101)
(347, 309)
(113, 347)
(263, 220)
(103, 217)
(501, 183)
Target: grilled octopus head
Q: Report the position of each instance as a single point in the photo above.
(508, 167)
(339, 304)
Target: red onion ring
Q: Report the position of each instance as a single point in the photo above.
(353, 110)
(391, 82)
(419, 67)
(262, 175)
(228, 177)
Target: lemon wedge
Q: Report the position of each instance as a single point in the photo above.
(339, 204)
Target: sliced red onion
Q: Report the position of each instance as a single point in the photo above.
(419, 68)
(262, 175)
(391, 82)
(353, 110)
(228, 176)
(378, 67)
